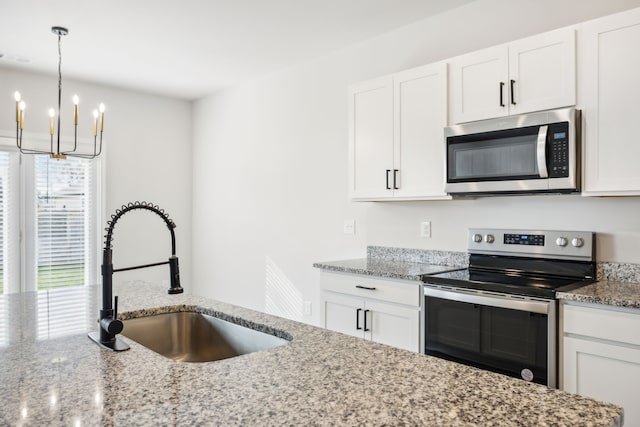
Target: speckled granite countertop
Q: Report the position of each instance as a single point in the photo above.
(384, 268)
(399, 263)
(618, 294)
(52, 374)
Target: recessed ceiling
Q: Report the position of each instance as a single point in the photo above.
(190, 48)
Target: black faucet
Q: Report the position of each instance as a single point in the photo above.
(110, 325)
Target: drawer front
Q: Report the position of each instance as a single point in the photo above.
(612, 325)
(399, 292)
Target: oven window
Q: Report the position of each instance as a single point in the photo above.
(499, 339)
(490, 156)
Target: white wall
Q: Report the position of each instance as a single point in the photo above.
(148, 157)
(270, 167)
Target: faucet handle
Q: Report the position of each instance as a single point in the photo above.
(115, 307)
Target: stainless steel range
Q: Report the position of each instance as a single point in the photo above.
(501, 313)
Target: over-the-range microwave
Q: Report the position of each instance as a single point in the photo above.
(529, 153)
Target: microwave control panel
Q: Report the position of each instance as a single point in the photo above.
(558, 140)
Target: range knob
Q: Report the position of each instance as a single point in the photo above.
(577, 242)
(561, 241)
(489, 238)
(477, 238)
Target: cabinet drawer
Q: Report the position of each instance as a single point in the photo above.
(407, 293)
(602, 323)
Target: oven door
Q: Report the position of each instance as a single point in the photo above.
(511, 335)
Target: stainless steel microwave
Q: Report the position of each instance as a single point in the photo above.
(529, 153)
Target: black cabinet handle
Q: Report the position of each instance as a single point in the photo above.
(358, 319)
(388, 170)
(501, 90)
(395, 179)
(365, 321)
(513, 100)
(365, 287)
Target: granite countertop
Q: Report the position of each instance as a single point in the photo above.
(394, 269)
(53, 374)
(606, 292)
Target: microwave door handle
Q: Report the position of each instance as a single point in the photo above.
(541, 152)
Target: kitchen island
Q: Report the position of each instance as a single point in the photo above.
(53, 374)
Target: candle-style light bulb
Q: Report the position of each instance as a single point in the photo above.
(52, 114)
(76, 100)
(101, 117)
(95, 122)
(22, 106)
(17, 97)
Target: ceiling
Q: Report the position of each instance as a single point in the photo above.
(190, 48)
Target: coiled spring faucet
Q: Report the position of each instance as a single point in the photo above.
(110, 325)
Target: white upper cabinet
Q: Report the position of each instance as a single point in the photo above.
(371, 139)
(478, 84)
(609, 96)
(396, 149)
(420, 115)
(532, 74)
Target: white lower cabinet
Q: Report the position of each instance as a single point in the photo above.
(384, 311)
(601, 356)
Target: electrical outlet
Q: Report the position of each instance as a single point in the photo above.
(349, 226)
(307, 308)
(425, 229)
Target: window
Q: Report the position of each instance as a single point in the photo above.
(63, 218)
(49, 214)
(9, 221)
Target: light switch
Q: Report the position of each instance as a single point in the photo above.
(307, 308)
(425, 229)
(349, 226)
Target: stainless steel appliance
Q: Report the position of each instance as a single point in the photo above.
(501, 313)
(529, 153)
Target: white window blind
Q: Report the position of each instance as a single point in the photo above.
(65, 217)
(4, 175)
(9, 222)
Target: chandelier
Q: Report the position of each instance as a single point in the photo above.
(98, 119)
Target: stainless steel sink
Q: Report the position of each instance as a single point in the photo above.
(196, 337)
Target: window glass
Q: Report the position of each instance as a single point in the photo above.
(64, 209)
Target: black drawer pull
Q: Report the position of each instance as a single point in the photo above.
(365, 287)
(395, 179)
(501, 100)
(388, 170)
(365, 321)
(358, 319)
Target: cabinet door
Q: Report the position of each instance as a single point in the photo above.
(420, 110)
(371, 139)
(479, 85)
(605, 372)
(609, 93)
(342, 314)
(542, 72)
(393, 325)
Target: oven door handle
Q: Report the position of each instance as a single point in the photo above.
(471, 297)
(541, 151)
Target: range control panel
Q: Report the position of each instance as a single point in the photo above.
(524, 239)
(576, 245)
